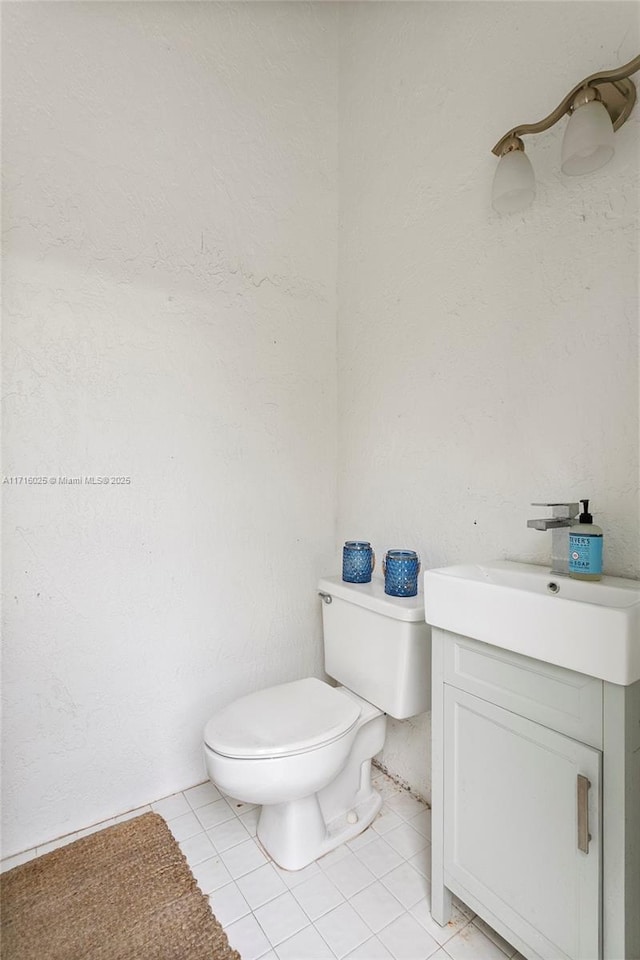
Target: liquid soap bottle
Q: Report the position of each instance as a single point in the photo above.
(585, 547)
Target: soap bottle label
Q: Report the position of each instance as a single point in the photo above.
(585, 554)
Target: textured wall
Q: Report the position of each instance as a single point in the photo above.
(484, 362)
(170, 300)
(170, 215)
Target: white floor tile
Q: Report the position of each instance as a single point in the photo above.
(211, 874)
(248, 938)
(472, 944)
(198, 848)
(343, 930)
(261, 885)
(10, 862)
(305, 945)
(405, 805)
(405, 939)
(385, 786)
(250, 820)
(350, 875)
(493, 935)
(281, 918)
(422, 913)
(96, 828)
(317, 896)
(130, 814)
(292, 878)
(185, 826)
(386, 820)
(362, 839)
(243, 858)
(377, 906)
(228, 834)
(372, 949)
(228, 904)
(211, 814)
(171, 807)
(463, 908)
(406, 884)
(422, 823)
(201, 795)
(54, 845)
(238, 806)
(406, 840)
(334, 855)
(379, 857)
(422, 862)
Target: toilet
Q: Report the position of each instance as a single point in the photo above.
(302, 750)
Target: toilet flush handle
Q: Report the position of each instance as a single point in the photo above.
(327, 598)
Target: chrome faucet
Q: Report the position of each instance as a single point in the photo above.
(563, 516)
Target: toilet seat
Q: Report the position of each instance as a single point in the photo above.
(281, 721)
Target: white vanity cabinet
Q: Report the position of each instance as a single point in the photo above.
(536, 801)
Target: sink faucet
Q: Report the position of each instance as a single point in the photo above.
(563, 516)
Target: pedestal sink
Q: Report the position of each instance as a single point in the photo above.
(590, 627)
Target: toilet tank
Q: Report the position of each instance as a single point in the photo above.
(376, 645)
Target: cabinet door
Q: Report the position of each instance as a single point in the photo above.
(513, 811)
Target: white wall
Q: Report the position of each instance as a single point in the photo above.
(484, 362)
(170, 215)
(171, 232)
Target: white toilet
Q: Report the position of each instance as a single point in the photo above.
(303, 750)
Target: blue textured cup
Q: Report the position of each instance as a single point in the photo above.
(401, 569)
(358, 561)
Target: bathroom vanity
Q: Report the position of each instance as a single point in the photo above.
(536, 766)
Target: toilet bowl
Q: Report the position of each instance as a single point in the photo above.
(302, 751)
(281, 743)
(297, 750)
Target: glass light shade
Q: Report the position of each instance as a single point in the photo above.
(588, 139)
(514, 185)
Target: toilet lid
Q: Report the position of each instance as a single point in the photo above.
(283, 720)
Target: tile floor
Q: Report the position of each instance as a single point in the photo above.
(367, 900)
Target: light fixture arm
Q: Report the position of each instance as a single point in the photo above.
(618, 94)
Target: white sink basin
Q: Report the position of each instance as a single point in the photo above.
(590, 627)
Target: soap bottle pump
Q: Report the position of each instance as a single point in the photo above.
(585, 547)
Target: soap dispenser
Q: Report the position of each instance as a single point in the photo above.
(585, 547)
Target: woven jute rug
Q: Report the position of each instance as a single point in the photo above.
(125, 893)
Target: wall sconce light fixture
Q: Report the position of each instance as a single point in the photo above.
(597, 106)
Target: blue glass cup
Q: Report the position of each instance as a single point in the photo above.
(358, 561)
(401, 569)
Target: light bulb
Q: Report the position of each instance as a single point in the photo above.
(588, 139)
(514, 184)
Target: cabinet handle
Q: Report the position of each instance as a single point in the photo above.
(583, 814)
